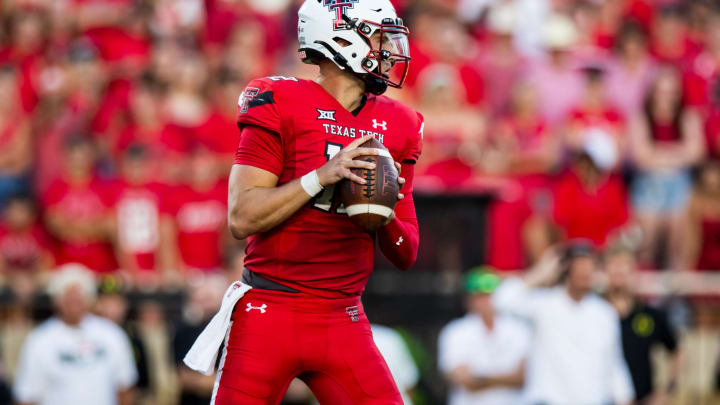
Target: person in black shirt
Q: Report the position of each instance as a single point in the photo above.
(642, 328)
(203, 301)
(112, 304)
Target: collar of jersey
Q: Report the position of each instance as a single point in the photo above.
(354, 112)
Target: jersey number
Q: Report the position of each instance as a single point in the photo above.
(326, 200)
(279, 78)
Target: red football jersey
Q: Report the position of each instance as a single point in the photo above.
(85, 204)
(200, 217)
(137, 212)
(318, 249)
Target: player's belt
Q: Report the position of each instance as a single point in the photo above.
(255, 280)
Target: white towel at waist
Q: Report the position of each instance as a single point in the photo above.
(202, 355)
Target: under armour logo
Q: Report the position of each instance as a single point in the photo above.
(326, 115)
(376, 125)
(353, 313)
(399, 241)
(262, 308)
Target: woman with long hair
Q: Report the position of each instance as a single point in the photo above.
(666, 142)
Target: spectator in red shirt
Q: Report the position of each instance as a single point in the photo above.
(148, 126)
(558, 82)
(71, 91)
(25, 254)
(630, 70)
(185, 107)
(219, 132)
(702, 84)
(701, 236)
(28, 31)
(199, 208)
(78, 210)
(590, 201)
(526, 141)
(15, 137)
(139, 218)
(100, 13)
(667, 141)
(670, 41)
(185, 102)
(178, 18)
(124, 45)
(443, 40)
(453, 135)
(594, 116)
(245, 53)
(499, 62)
(597, 21)
(527, 150)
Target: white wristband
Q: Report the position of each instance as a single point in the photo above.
(311, 183)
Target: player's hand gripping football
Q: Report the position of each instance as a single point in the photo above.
(339, 166)
(401, 181)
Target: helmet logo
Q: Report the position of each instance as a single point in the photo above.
(339, 6)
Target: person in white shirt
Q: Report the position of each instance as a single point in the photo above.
(576, 356)
(397, 356)
(483, 353)
(75, 358)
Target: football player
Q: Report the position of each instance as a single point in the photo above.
(306, 261)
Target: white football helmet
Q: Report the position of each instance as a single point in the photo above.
(341, 30)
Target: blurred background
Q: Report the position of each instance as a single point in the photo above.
(546, 120)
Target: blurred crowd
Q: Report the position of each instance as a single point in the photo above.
(595, 119)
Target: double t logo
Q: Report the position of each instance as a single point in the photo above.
(340, 6)
(246, 97)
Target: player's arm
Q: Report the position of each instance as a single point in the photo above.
(255, 201)
(399, 239)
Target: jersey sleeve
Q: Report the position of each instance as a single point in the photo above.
(258, 107)
(415, 140)
(399, 239)
(260, 148)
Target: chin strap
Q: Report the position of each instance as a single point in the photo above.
(373, 84)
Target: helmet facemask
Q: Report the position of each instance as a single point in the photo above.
(363, 38)
(389, 56)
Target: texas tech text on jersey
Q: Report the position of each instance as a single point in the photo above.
(292, 126)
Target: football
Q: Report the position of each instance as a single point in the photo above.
(369, 205)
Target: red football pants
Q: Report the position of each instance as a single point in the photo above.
(327, 343)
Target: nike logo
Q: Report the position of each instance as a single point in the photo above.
(377, 11)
